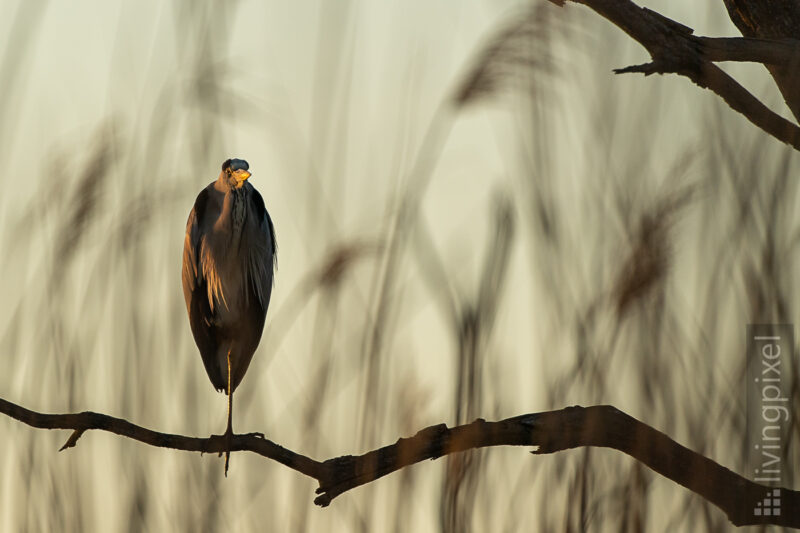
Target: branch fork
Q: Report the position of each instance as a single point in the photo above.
(674, 49)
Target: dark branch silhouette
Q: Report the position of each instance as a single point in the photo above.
(551, 431)
(674, 49)
(772, 19)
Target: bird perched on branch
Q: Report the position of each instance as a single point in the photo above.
(229, 256)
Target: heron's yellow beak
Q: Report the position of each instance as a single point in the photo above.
(241, 176)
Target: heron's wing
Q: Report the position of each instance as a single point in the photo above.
(192, 273)
(267, 229)
(195, 292)
(262, 247)
(258, 256)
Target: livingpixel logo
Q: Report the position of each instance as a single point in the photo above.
(769, 506)
(769, 347)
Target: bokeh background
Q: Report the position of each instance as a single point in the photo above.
(475, 218)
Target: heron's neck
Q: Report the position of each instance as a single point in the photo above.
(231, 219)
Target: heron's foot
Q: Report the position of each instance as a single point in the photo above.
(227, 437)
(228, 441)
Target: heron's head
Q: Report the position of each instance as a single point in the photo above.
(235, 172)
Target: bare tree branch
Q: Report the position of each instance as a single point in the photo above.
(744, 49)
(674, 49)
(551, 431)
(82, 422)
(772, 19)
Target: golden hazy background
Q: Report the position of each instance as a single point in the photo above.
(475, 218)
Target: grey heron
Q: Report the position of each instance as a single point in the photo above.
(229, 256)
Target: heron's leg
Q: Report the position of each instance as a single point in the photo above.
(229, 431)
(230, 398)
